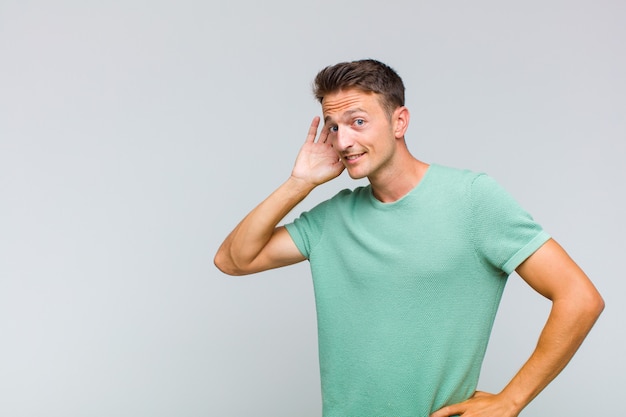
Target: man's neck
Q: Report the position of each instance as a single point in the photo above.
(398, 180)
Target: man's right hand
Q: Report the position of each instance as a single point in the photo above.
(317, 162)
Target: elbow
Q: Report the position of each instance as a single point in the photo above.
(581, 305)
(597, 304)
(225, 264)
(592, 305)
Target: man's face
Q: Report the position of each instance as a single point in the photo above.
(360, 131)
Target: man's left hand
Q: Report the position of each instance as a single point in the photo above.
(481, 404)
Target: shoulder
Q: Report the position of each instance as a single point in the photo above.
(349, 197)
(451, 180)
(446, 173)
(344, 199)
(307, 229)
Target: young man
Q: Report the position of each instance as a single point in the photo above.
(408, 271)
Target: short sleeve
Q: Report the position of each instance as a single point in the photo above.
(306, 230)
(504, 234)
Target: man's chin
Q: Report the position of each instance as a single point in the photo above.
(356, 175)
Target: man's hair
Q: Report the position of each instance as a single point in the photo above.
(367, 75)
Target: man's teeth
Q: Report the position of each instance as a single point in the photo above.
(351, 157)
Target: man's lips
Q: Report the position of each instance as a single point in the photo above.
(353, 157)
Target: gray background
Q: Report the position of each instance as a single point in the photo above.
(134, 135)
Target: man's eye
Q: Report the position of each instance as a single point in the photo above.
(333, 129)
(359, 122)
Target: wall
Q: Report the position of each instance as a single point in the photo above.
(134, 135)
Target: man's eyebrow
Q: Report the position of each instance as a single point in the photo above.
(345, 114)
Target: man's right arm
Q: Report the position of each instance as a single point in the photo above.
(257, 244)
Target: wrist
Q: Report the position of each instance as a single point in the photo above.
(515, 401)
(301, 184)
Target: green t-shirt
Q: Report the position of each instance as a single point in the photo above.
(407, 292)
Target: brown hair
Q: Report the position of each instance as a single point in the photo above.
(367, 75)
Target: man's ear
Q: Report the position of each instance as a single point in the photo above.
(400, 121)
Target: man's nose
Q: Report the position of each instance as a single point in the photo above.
(343, 139)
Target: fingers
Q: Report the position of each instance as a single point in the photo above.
(310, 137)
(479, 404)
(451, 410)
(323, 135)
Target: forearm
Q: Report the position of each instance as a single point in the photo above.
(569, 322)
(244, 244)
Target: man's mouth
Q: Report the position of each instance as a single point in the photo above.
(353, 157)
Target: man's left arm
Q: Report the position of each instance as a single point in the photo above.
(576, 305)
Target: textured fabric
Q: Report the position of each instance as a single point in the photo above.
(407, 292)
